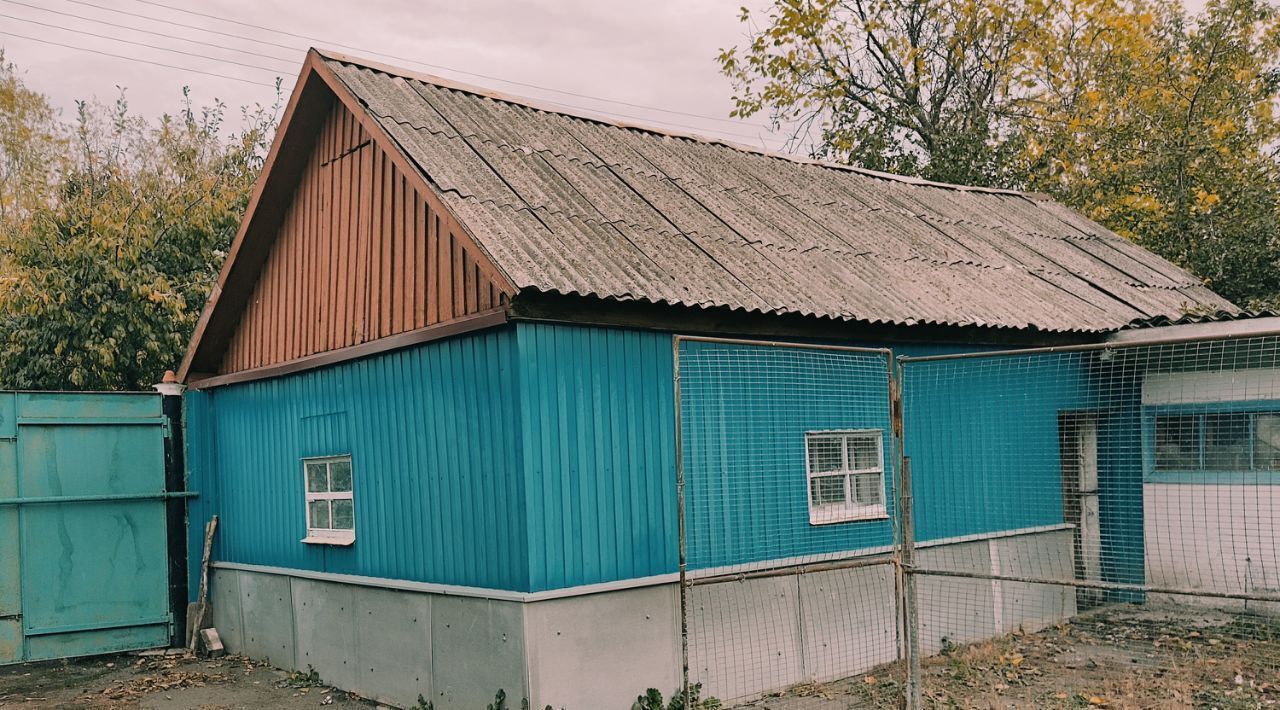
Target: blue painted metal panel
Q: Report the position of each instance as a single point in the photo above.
(433, 433)
(745, 410)
(983, 440)
(91, 576)
(598, 437)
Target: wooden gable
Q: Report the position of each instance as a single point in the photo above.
(362, 252)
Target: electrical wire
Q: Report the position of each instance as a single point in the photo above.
(7, 33)
(441, 67)
(570, 107)
(141, 44)
(149, 32)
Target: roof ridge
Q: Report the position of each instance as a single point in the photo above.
(538, 105)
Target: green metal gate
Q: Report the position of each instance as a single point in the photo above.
(83, 542)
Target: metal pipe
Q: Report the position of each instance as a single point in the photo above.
(780, 344)
(1087, 347)
(791, 570)
(911, 608)
(1094, 584)
(103, 498)
(680, 524)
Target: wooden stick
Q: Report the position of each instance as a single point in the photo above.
(203, 597)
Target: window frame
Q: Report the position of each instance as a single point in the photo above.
(849, 510)
(328, 536)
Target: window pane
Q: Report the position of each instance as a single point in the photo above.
(1266, 453)
(1178, 442)
(343, 514)
(340, 476)
(319, 510)
(1226, 442)
(825, 454)
(317, 479)
(867, 489)
(826, 490)
(864, 452)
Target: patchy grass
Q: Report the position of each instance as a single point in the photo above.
(1118, 657)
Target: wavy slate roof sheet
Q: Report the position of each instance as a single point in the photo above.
(573, 205)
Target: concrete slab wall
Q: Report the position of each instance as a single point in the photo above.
(1217, 537)
(377, 642)
(747, 637)
(603, 650)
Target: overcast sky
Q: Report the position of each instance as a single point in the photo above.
(650, 53)
(656, 57)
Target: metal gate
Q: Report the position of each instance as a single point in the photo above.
(84, 550)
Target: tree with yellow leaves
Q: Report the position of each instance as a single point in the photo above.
(1158, 124)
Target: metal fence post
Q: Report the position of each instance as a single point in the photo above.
(684, 586)
(910, 609)
(175, 481)
(906, 544)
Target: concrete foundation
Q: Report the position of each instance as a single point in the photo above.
(602, 649)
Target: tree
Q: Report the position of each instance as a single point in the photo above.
(31, 145)
(110, 275)
(1159, 125)
(917, 87)
(1164, 129)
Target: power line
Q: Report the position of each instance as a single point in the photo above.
(134, 59)
(142, 44)
(443, 67)
(149, 32)
(562, 105)
(180, 24)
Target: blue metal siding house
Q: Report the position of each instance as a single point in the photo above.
(434, 398)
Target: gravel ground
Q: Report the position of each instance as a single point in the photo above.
(165, 682)
(1126, 656)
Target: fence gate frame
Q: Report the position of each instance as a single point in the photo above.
(893, 558)
(1124, 341)
(908, 569)
(48, 439)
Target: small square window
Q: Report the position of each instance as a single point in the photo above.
(846, 475)
(331, 515)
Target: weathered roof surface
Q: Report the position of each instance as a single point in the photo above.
(570, 205)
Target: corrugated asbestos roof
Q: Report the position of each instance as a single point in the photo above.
(1201, 317)
(576, 206)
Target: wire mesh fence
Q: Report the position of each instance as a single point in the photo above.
(1092, 525)
(1098, 525)
(780, 446)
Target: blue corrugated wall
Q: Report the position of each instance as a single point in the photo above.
(598, 447)
(540, 456)
(745, 410)
(982, 435)
(433, 433)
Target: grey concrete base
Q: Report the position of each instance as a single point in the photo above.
(380, 643)
(600, 650)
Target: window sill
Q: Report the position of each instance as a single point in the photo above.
(340, 541)
(836, 517)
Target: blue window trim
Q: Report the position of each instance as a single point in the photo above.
(1246, 478)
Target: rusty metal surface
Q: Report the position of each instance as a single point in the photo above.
(361, 255)
(574, 206)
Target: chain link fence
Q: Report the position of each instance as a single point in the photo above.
(1054, 528)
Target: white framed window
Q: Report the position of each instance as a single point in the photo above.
(845, 471)
(331, 512)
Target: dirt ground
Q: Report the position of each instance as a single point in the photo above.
(1116, 657)
(165, 683)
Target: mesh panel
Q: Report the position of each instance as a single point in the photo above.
(1097, 525)
(1066, 528)
(786, 458)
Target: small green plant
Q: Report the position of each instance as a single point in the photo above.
(300, 679)
(652, 700)
(423, 704)
(948, 647)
